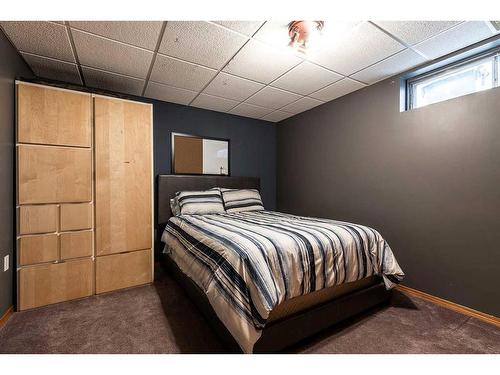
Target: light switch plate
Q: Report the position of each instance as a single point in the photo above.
(5, 263)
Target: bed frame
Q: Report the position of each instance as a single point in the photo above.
(279, 334)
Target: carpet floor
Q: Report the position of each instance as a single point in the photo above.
(160, 318)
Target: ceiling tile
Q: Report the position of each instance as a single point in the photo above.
(277, 116)
(301, 105)
(395, 64)
(413, 32)
(181, 74)
(111, 81)
(200, 42)
(458, 37)
(232, 87)
(138, 33)
(337, 89)
(244, 27)
(249, 110)
(260, 62)
(169, 93)
(40, 38)
(214, 103)
(306, 78)
(111, 56)
(271, 97)
(45, 67)
(362, 46)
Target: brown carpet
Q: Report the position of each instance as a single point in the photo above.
(161, 319)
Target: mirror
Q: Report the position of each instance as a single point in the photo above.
(192, 154)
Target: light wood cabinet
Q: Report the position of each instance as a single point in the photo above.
(48, 174)
(84, 194)
(123, 270)
(53, 117)
(37, 249)
(51, 283)
(76, 244)
(76, 216)
(37, 219)
(123, 176)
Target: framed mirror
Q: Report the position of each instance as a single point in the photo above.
(192, 154)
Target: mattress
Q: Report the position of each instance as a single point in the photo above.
(256, 267)
(302, 303)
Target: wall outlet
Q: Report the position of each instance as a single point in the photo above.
(5, 263)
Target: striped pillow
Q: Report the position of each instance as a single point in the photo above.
(240, 200)
(200, 202)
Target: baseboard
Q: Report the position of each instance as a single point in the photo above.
(451, 305)
(6, 316)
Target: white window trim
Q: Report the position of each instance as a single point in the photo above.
(493, 54)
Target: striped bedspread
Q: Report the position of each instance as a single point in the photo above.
(249, 262)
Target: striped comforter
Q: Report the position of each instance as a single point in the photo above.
(249, 262)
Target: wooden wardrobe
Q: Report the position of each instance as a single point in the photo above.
(84, 194)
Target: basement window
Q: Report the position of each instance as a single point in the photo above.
(465, 77)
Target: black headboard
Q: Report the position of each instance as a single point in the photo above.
(168, 185)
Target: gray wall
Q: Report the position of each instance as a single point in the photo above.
(427, 179)
(11, 66)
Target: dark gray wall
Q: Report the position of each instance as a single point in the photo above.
(11, 66)
(428, 179)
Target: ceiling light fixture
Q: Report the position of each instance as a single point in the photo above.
(304, 34)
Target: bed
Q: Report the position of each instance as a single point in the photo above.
(266, 280)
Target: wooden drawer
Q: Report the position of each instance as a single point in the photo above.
(37, 219)
(76, 244)
(48, 174)
(76, 216)
(123, 270)
(51, 283)
(52, 116)
(37, 249)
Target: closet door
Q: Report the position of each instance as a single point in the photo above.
(123, 184)
(54, 176)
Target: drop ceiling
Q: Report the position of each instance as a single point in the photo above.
(238, 67)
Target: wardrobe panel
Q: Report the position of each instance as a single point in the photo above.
(76, 244)
(51, 283)
(53, 116)
(76, 216)
(123, 184)
(37, 219)
(49, 174)
(37, 249)
(120, 271)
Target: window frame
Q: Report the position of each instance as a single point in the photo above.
(493, 54)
